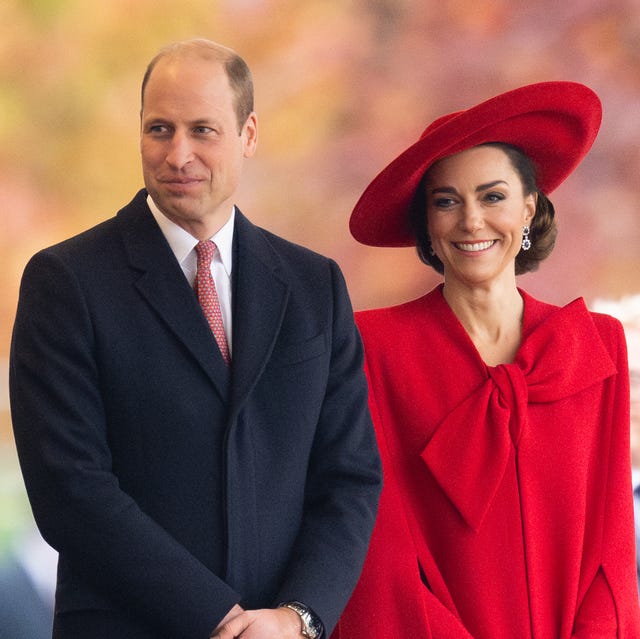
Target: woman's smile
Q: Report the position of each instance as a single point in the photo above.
(474, 247)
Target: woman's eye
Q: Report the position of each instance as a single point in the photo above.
(443, 202)
(494, 197)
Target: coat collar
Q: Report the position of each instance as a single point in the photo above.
(164, 287)
(260, 297)
(469, 451)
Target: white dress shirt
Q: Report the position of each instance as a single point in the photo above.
(183, 245)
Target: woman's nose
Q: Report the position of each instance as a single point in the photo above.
(471, 218)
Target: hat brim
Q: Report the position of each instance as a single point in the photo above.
(553, 123)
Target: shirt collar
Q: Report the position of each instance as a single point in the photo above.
(182, 243)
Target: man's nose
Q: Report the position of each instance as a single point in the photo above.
(180, 152)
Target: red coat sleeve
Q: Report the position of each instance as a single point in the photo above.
(609, 605)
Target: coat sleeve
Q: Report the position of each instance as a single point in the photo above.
(392, 598)
(609, 603)
(62, 441)
(344, 479)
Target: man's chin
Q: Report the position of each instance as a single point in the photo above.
(179, 209)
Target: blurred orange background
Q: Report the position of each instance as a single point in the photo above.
(341, 88)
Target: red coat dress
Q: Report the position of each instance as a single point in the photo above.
(507, 507)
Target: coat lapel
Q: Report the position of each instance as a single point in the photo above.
(260, 298)
(163, 285)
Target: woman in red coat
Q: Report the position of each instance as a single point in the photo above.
(503, 421)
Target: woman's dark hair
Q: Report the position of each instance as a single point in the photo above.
(543, 226)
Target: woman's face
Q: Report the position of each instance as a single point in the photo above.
(476, 209)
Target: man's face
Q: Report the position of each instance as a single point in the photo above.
(191, 146)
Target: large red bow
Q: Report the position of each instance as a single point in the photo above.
(469, 451)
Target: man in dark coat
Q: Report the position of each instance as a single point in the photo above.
(202, 460)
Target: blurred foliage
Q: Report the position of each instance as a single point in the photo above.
(15, 514)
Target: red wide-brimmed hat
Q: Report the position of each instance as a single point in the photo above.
(554, 123)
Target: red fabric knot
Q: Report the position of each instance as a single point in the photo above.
(208, 297)
(469, 450)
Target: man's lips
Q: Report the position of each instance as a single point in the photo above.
(180, 180)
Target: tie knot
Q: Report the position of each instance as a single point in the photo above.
(205, 252)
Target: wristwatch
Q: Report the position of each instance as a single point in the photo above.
(312, 627)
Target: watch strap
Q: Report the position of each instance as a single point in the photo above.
(312, 627)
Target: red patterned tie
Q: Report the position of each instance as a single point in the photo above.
(208, 297)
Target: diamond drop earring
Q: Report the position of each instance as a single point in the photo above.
(526, 242)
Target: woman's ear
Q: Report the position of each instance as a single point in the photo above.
(531, 203)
